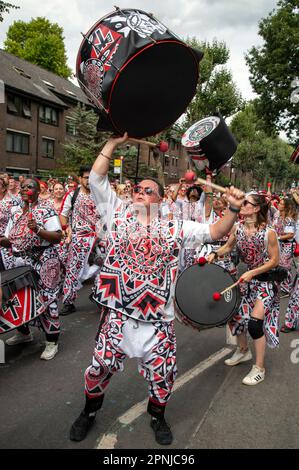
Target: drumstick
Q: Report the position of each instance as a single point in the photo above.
(145, 142)
(221, 189)
(217, 295)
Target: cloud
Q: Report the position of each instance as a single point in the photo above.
(233, 21)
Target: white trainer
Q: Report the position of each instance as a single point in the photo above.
(255, 376)
(19, 338)
(50, 351)
(238, 357)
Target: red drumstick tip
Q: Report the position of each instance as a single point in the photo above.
(216, 296)
(202, 261)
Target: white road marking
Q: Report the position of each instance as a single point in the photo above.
(109, 440)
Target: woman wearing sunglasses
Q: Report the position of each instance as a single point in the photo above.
(135, 289)
(32, 234)
(258, 314)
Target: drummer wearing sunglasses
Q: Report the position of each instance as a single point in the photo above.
(135, 290)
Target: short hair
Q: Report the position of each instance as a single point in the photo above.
(160, 187)
(84, 169)
(197, 188)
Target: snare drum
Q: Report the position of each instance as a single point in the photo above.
(139, 74)
(21, 302)
(194, 296)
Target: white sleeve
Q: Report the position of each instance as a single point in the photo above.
(104, 197)
(66, 205)
(53, 224)
(195, 233)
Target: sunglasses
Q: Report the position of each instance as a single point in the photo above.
(246, 202)
(28, 186)
(146, 190)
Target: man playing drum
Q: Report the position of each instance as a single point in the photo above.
(135, 289)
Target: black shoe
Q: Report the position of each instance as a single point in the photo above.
(81, 427)
(67, 309)
(163, 433)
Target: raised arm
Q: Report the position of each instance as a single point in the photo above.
(101, 165)
(235, 198)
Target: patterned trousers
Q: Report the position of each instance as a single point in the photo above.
(153, 344)
(292, 312)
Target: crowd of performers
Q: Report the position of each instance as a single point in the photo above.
(135, 239)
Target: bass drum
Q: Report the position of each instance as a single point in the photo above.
(138, 74)
(194, 296)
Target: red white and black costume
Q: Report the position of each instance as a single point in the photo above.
(135, 287)
(85, 225)
(28, 249)
(253, 251)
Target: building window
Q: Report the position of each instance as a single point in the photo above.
(166, 160)
(18, 106)
(173, 161)
(70, 126)
(17, 142)
(48, 148)
(48, 115)
(176, 161)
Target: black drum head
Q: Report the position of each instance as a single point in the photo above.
(194, 295)
(153, 89)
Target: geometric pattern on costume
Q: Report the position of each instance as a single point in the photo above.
(292, 312)
(157, 364)
(85, 224)
(140, 266)
(286, 247)
(252, 251)
(45, 263)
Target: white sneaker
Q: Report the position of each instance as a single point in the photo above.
(50, 351)
(19, 338)
(238, 357)
(255, 376)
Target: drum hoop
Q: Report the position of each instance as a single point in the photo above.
(27, 279)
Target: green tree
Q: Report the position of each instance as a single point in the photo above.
(260, 157)
(216, 88)
(5, 8)
(83, 147)
(273, 67)
(40, 42)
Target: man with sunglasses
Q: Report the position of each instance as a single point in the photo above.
(80, 221)
(135, 290)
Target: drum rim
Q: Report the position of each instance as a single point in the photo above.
(197, 325)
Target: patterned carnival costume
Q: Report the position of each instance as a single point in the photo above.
(28, 249)
(85, 225)
(252, 251)
(6, 205)
(135, 288)
(283, 226)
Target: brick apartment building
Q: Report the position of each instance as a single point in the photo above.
(34, 121)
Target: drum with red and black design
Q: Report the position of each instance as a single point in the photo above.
(194, 295)
(139, 74)
(209, 143)
(21, 301)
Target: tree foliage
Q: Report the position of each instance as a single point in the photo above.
(40, 42)
(83, 147)
(5, 8)
(216, 89)
(273, 67)
(264, 157)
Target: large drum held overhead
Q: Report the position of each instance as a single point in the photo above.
(140, 75)
(194, 296)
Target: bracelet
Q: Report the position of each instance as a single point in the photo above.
(103, 155)
(38, 230)
(214, 253)
(234, 209)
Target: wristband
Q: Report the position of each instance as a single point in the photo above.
(38, 230)
(234, 209)
(103, 155)
(214, 253)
